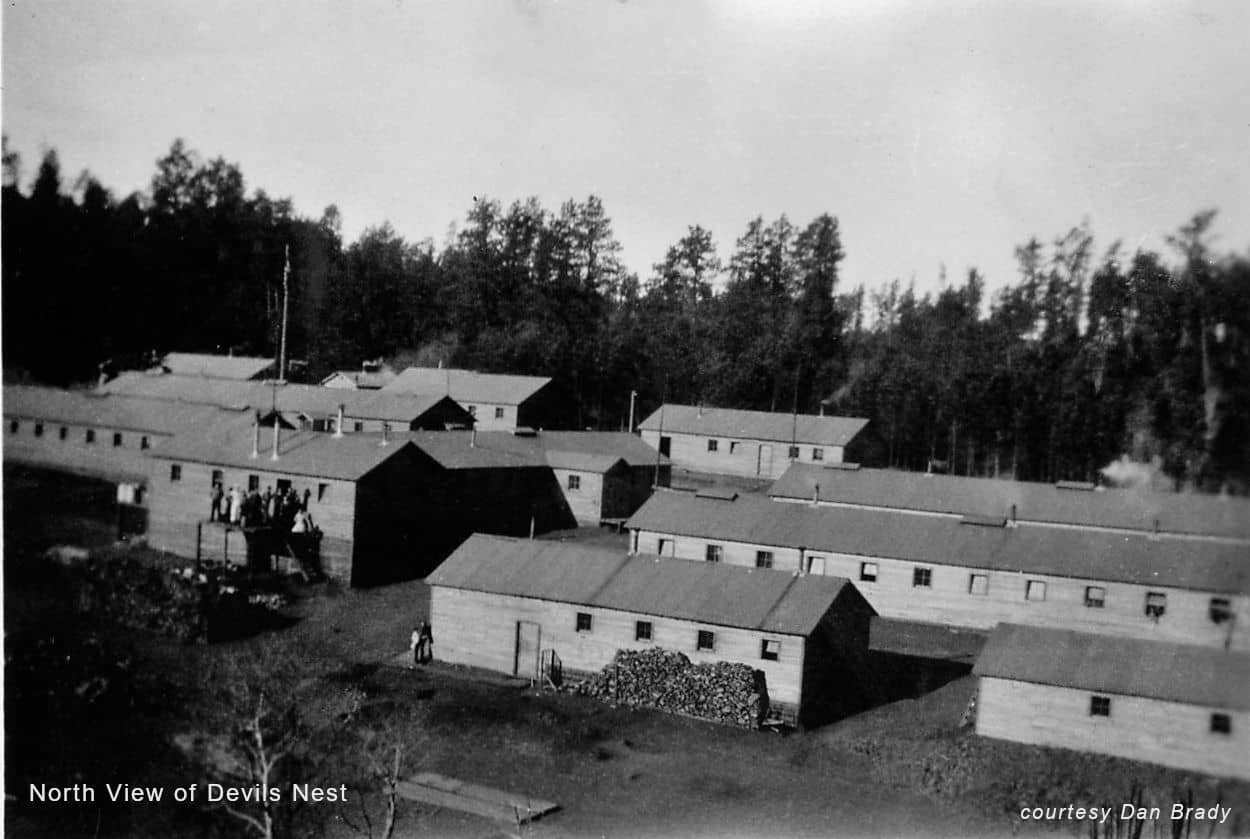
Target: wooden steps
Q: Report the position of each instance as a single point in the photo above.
(442, 791)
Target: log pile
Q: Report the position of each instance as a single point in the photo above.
(723, 692)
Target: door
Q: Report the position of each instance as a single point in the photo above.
(765, 466)
(528, 636)
(666, 445)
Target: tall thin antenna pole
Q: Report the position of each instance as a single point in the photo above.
(286, 296)
(794, 427)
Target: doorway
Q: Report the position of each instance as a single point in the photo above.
(528, 638)
(666, 445)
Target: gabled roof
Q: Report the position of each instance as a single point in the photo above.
(239, 367)
(289, 398)
(723, 595)
(803, 429)
(73, 407)
(468, 385)
(586, 451)
(1083, 554)
(313, 453)
(1183, 513)
(362, 379)
(1205, 676)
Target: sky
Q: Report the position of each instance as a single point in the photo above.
(939, 134)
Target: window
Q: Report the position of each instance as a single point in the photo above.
(713, 445)
(175, 471)
(583, 621)
(145, 443)
(922, 577)
(38, 429)
(868, 572)
(117, 439)
(1221, 609)
(1035, 590)
(1100, 706)
(818, 453)
(770, 649)
(714, 553)
(1221, 724)
(1156, 604)
(322, 491)
(63, 433)
(219, 477)
(90, 435)
(283, 486)
(1095, 596)
(706, 640)
(499, 413)
(575, 481)
(253, 482)
(794, 452)
(14, 425)
(358, 426)
(763, 559)
(664, 547)
(642, 631)
(978, 584)
(473, 410)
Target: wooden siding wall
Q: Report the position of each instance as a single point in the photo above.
(1168, 733)
(479, 629)
(129, 454)
(484, 416)
(178, 506)
(948, 600)
(585, 502)
(689, 451)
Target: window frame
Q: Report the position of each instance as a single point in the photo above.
(14, 426)
(818, 453)
(118, 440)
(764, 559)
(1031, 586)
(253, 483)
(574, 483)
(705, 641)
(794, 453)
(38, 429)
(1156, 605)
(984, 579)
(145, 443)
(585, 622)
(89, 436)
(323, 489)
(498, 412)
(921, 577)
(1221, 723)
(63, 434)
(648, 635)
(175, 472)
(1095, 602)
(714, 553)
(1220, 610)
(869, 572)
(713, 445)
(770, 655)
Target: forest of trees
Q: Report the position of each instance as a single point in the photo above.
(1085, 358)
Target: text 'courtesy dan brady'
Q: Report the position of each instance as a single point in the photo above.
(211, 793)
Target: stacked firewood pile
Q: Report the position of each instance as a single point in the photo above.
(733, 694)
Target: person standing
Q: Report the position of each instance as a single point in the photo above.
(414, 644)
(214, 513)
(236, 505)
(425, 643)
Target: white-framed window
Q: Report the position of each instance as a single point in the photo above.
(1095, 597)
(575, 482)
(1156, 604)
(715, 553)
(1035, 590)
(1100, 706)
(1221, 610)
(868, 572)
(583, 621)
(713, 445)
(818, 453)
(979, 584)
(922, 577)
(706, 640)
(733, 446)
(794, 453)
(770, 649)
(763, 559)
(498, 413)
(642, 630)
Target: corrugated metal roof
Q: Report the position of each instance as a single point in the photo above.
(1185, 513)
(586, 451)
(321, 402)
(755, 425)
(1085, 554)
(467, 385)
(311, 453)
(1205, 676)
(239, 367)
(74, 407)
(711, 593)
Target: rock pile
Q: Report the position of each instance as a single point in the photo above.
(733, 694)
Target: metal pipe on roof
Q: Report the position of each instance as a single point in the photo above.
(473, 437)
(386, 434)
(338, 426)
(255, 434)
(276, 434)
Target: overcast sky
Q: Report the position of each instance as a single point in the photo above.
(937, 133)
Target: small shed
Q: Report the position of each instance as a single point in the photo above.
(1182, 706)
(516, 606)
(496, 400)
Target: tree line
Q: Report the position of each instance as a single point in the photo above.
(1085, 357)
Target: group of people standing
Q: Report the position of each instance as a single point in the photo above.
(282, 509)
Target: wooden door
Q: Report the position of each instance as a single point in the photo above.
(528, 646)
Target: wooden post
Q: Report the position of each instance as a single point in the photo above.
(225, 546)
(199, 538)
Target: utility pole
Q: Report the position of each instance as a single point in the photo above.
(286, 296)
(633, 395)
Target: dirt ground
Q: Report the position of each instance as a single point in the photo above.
(905, 769)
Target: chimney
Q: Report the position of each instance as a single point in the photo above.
(822, 409)
(473, 438)
(338, 426)
(277, 432)
(700, 409)
(386, 434)
(255, 435)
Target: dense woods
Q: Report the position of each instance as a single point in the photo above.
(1086, 356)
